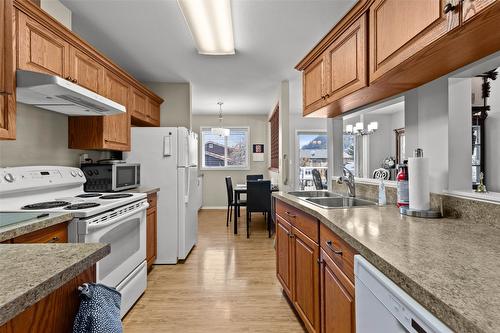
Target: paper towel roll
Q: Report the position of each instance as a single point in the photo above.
(418, 181)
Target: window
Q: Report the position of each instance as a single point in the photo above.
(313, 154)
(274, 122)
(229, 152)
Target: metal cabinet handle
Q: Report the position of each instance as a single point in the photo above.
(291, 235)
(330, 246)
(290, 214)
(54, 240)
(449, 7)
(327, 95)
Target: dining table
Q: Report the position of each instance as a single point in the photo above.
(238, 190)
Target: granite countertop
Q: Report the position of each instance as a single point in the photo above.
(143, 189)
(32, 271)
(450, 266)
(17, 224)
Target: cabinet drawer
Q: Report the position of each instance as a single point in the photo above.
(340, 252)
(300, 220)
(152, 199)
(55, 234)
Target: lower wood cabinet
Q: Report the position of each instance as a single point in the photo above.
(54, 234)
(313, 265)
(151, 231)
(53, 314)
(337, 298)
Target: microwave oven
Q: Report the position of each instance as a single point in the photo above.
(112, 177)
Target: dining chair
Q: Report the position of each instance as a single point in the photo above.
(255, 177)
(317, 179)
(259, 200)
(231, 200)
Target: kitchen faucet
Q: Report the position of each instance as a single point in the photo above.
(348, 179)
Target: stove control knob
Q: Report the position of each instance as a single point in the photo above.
(73, 173)
(80, 173)
(9, 177)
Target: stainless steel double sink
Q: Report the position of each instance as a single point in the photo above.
(325, 199)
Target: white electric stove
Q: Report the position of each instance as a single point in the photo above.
(118, 219)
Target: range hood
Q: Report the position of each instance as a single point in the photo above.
(54, 93)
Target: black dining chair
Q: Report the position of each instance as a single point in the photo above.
(231, 200)
(259, 200)
(255, 177)
(317, 179)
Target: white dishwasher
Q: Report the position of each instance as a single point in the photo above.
(383, 307)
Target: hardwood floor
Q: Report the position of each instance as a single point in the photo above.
(227, 284)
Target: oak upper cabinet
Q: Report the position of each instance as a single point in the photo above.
(472, 7)
(84, 70)
(399, 29)
(346, 61)
(337, 298)
(116, 127)
(138, 105)
(283, 254)
(305, 279)
(7, 94)
(39, 49)
(313, 81)
(153, 112)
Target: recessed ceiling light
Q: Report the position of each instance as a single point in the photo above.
(211, 25)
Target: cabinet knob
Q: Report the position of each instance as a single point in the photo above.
(53, 240)
(449, 7)
(327, 95)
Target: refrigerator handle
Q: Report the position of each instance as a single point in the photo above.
(188, 185)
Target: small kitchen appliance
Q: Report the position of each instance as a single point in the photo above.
(111, 176)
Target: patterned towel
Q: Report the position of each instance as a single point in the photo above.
(99, 310)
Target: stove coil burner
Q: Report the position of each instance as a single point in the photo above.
(83, 205)
(45, 205)
(88, 195)
(116, 196)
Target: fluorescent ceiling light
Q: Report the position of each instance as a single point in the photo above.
(211, 25)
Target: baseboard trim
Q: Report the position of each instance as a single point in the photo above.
(216, 207)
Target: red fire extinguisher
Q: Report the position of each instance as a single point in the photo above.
(403, 192)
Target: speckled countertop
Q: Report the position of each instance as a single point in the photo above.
(29, 272)
(144, 189)
(29, 224)
(450, 266)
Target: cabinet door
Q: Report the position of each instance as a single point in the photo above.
(139, 105)
(151, 236)
(7, 99)
(346, 58)
(337, 298)
(283, 255)
(401, 28)
(154, 113)
(116, 127)
(40, 49)
(305, 256)
(472, 7)
(313, 81)
(86, 71)
(54, 234)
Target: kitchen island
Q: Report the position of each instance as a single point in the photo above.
(450, 266)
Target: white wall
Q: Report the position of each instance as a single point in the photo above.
(214, 187)
(175, 111)
(58, 11)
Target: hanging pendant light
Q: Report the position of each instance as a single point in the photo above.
(220, 131)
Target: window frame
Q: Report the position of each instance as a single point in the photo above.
(218, 168)
(274, 145)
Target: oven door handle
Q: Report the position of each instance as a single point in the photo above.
(111, 221)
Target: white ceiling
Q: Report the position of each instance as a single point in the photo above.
(150, 39)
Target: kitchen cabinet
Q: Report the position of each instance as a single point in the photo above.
(84, 70)
(54, 234)
(470, 8)
(424, 21)
(337, 298)
(305, 277)
(154, 113)
(283, 254)
(7, 93)
(53, 313)
(313, 81)
(346, 59)
(138, 106)
(151, 231)
(39, 49)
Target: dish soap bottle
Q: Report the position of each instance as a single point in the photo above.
(381, 193)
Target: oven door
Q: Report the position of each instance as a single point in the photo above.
(125, 176)
(126, 235)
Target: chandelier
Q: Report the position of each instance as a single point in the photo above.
(220, 131)
(358, 129)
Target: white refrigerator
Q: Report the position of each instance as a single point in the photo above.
(169, 160)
